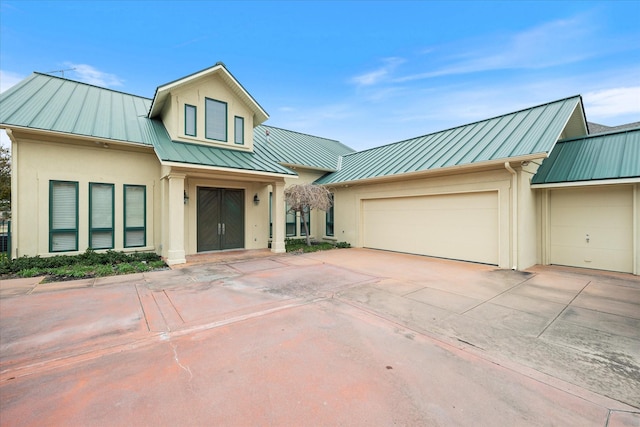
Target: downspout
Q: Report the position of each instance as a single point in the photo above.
(514, 205)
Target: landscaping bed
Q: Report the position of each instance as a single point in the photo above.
(90, 264)
(300, 245)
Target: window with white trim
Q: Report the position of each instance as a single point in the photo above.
(63, 216)
(135, 216)
(215, 126)
(190, 120)
(238, 129)
(101, 216)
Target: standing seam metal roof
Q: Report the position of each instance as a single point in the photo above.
(526, 132)
(596, 157)
(294, 148)
(55, 104)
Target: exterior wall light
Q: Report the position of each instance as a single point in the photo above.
(256, 199)
(186, 197)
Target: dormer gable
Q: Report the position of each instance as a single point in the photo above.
(208, 107)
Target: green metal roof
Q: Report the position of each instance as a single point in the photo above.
(597, 157)
(526, 132)
(294, 148)
(55, 104)
(196, 154)
(52, 103)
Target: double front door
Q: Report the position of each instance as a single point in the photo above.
(220, 219)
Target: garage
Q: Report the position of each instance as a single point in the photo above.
(592, 227)
(462, 226)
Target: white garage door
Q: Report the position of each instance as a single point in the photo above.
(592, 228)
(457, 226)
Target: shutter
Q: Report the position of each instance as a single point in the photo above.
(134, 238)
(135, 207)
(64, 206)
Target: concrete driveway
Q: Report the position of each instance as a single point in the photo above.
(349, 337)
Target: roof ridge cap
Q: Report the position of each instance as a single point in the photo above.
(89, 84)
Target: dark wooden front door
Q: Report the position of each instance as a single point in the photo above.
(220, 219)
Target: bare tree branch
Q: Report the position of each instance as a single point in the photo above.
(305, 197)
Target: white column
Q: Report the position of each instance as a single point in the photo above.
(175, 226)
(277, 204)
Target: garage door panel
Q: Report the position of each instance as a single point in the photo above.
(605, 215)
(460, 226)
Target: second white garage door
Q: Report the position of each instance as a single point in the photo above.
(592, 227)
(457, 226)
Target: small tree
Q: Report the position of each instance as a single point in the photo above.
(304, 197)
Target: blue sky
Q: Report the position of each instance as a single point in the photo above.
(365, 73)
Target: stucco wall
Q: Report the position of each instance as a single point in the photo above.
(38, 160)
(348, 205)
(194, 93)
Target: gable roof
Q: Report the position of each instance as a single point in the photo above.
(55, 104)
(259, 114)
(523, 134)
(611, 156)
(298, 149)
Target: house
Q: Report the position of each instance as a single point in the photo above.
(195, 169)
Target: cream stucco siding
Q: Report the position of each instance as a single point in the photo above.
(40, 159)
(195, 93)
(497, 184)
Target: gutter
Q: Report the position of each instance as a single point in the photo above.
(514, 215)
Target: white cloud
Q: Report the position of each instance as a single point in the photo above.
(549, 44)
(613, 102)
(88, 74)
(4, 139)
(379, 75)
(8, 79)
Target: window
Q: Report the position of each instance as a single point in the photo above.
(329, 222)
(291, 222)
(100, 216)
(135, 214)
(215, 120)
(239, 130)
(63, 216)
(306, 216)
(190, 120)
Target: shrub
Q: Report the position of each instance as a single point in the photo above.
(88, 264)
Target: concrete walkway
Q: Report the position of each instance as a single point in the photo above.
(348, 337)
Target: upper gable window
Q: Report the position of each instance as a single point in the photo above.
(215, 120)
(190, 120)
(239, 130)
